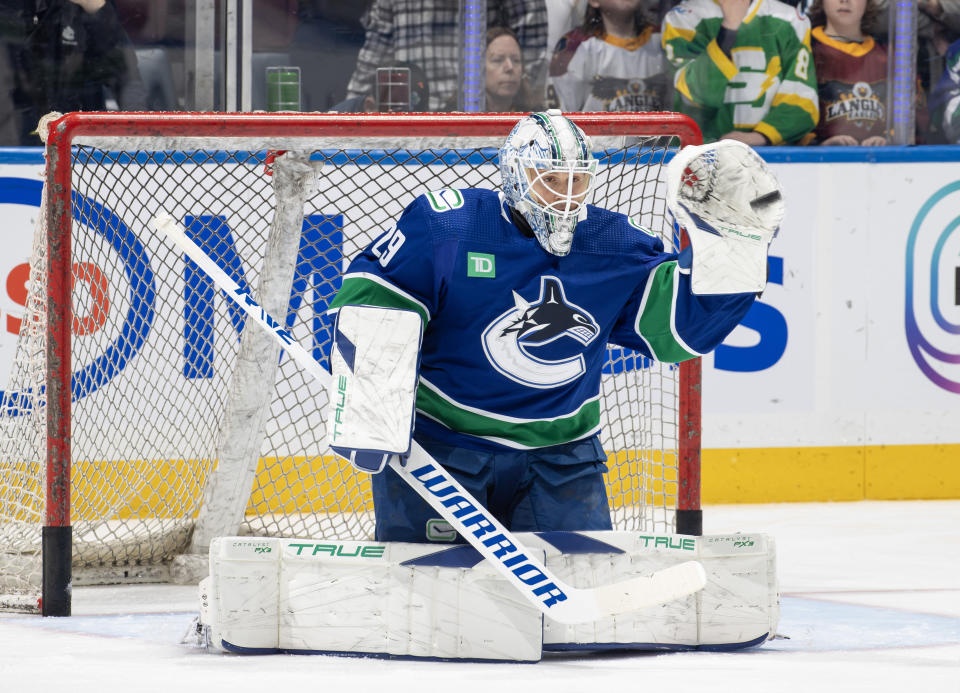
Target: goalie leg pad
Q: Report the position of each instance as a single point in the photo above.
(411, 600)
(373, 361)
(364, 598)
(739, 607)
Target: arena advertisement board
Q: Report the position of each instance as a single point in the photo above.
(867, 348)
(854, 343)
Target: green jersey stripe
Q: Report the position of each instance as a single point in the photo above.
(509, 431)
(655, 317)
(366, 290)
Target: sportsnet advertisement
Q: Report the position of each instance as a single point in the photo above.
(855, 343)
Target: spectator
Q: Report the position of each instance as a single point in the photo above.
(563, 16)
(744, 76)
(851, 74)
(9, 124)
(933, 15)
(427, 32)
(68, 55)
(506, 84)
(419, 94)
(506, 87)
(612, 62)
(802, 5)
(945, 99)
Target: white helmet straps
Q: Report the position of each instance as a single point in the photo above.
(548, 172)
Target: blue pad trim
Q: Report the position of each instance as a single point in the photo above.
(347, 349)
(655, 646)
(573, 542)
(463, 556)
(237, 649)
(370, 461)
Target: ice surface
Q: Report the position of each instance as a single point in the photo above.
(871, 602)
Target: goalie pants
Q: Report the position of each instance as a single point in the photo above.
(555, 488)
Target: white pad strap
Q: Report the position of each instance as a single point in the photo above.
(731, 206)
(374, 362)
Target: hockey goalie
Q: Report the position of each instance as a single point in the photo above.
(466, 362)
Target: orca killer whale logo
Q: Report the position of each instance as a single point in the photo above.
(507, 341)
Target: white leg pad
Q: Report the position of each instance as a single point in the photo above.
(423, 601)
(370, 598)
(739, 606)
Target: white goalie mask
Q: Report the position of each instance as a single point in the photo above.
(548, 172)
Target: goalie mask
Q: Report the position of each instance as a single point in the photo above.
(548, 172)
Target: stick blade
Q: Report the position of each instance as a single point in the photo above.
(665, 585)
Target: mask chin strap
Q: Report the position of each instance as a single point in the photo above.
(521, 222)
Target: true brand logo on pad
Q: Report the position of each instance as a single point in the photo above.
(344, 550)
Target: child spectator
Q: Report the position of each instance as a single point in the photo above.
(613, 62)
(851, 74)
(743, 69)
(945, 99)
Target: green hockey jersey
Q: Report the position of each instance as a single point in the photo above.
(766, 83)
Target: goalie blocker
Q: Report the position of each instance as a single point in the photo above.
(422, 601)
(373, 362)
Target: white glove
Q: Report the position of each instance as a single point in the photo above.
(731, 205)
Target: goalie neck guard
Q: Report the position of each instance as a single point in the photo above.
(548, 172)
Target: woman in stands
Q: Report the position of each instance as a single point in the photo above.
(506, 85)
(507, 88)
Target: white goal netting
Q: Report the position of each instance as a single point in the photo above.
(163, 388)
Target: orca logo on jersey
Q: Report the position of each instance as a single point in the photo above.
(507, 341)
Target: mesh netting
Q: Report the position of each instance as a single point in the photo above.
(156, 350)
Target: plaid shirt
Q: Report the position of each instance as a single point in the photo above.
(427, 33)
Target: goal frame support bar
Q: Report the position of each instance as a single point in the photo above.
(65, 131)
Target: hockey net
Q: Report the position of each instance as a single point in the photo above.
(136, 411)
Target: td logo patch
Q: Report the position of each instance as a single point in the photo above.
(481, 265)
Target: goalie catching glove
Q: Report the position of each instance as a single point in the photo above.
(731, 206)
(374, 363)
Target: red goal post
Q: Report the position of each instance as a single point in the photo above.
(263, 131)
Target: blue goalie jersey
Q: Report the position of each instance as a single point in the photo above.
(515, 337)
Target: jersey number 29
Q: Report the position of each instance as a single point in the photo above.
(388, 245)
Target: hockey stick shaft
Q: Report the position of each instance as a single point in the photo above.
(457, 506)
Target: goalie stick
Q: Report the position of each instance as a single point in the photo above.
(549, 594)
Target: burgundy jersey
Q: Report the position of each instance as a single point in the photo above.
(852, 85)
